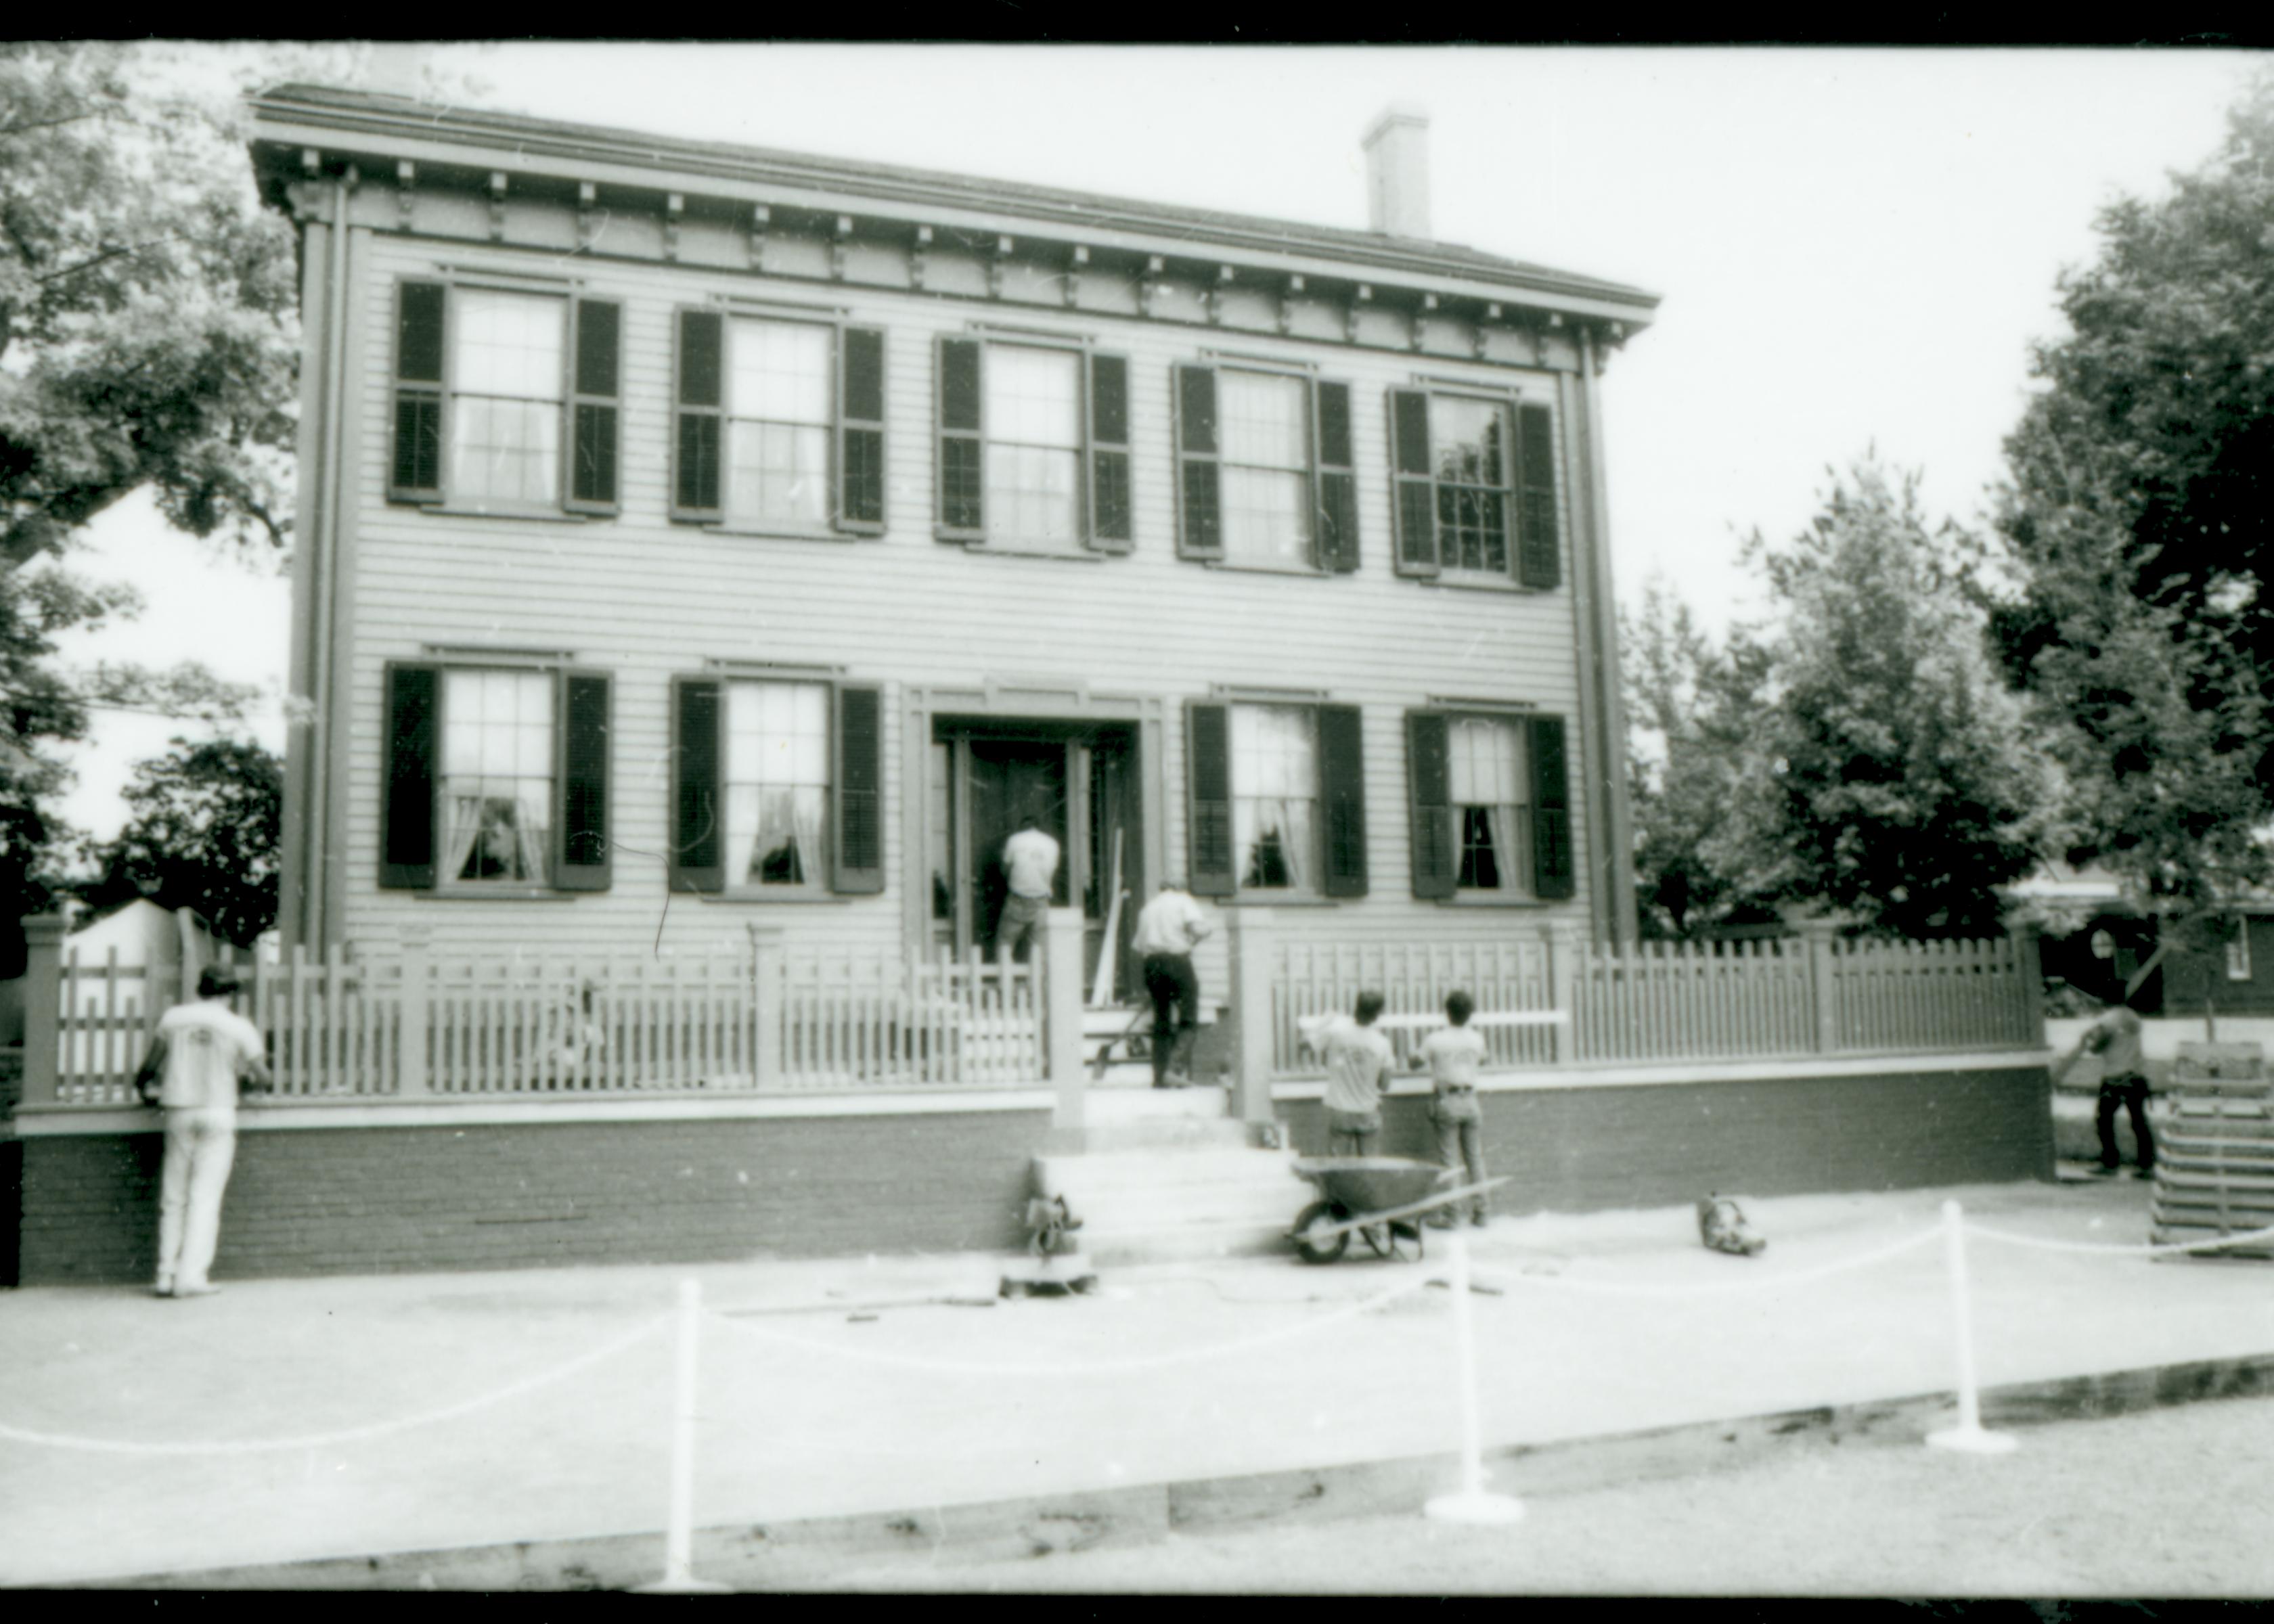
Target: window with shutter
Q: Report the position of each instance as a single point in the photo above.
(420, 332)
(961, 448)
(586, 857)
(1337, 480)
(1341, 794)
(1200, 508)
(1488, 805)
(1207, 749)
(406, 838)
(860, 790)
(697, 842)
(861, 432)
(1555, 870)
(1430, 806)
(695, 429)
(1474, 482)
(1110, 516)
(593, 409)
(497, 779)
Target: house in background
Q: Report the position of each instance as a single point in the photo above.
(706, 556)
(2098, 940)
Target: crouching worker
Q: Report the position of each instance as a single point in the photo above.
(1358, 1058)
(1454, 1056)
(198, 1057)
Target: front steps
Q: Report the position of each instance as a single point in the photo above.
(1160, 1176)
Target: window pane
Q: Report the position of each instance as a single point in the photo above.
(1470, 439)
(777, 471)
(777, 782)
(779, 370)
(497, 774)
(1266, 516)
(504, 450)
(1030, 493)
(1263, 420)
(506, 343)
(1275, 780)
(1033, 397)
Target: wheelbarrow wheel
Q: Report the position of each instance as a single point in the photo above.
(1319, 1215)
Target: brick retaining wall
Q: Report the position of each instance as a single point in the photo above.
(369, 1200)
(1572, 1150)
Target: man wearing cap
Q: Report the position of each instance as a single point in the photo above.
(198, 1057)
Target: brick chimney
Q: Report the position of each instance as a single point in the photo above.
(1398, 173)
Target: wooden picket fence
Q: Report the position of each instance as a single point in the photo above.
(393, 1027)
(1786, 998)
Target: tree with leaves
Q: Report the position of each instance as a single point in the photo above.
(2137, 520)
(1887, 779)
(203, 830)
(1690, 705)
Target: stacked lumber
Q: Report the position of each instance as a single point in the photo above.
(2215, 1165)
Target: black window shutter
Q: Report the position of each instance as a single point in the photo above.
(1416, 506)
(1342, 795)
(859, 867)
(1539, 559)
(695, 474)
(584, 861)
(1337, 524)
(962, 453)
(698, 844)
(421, 314)
(1200, 506)
(1207, 744)
(861, 432)
(593, 406)
(406, 835)
(1428, 777)
(1553, 871)
(1108, 453)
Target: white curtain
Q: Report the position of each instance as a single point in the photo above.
(465, 829)
(530, 826)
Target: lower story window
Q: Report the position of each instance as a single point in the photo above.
(1489, 776)
(1275, 777)
(777, 783)
(497, 776)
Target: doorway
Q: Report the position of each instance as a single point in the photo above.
(1080, 783)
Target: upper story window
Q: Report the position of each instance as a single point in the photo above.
(1490, 806)
(1475, 480)
(1033, 446)
(497, 779)
(505, 400)
(1264, 474)
(1277, 799)
(780, 424)
(779, 786)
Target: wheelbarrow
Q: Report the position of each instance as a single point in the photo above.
(1373, 1195)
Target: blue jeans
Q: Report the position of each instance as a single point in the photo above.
(1460, 1122)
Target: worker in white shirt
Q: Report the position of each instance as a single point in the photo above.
(198, 1056)
(1031, 865)
(1167, 928)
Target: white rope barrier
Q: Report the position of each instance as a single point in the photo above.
(1183, 1356)
(1755, 1283)
(2145, 1250)
(313, 1441)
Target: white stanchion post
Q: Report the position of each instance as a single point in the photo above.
(1471, 1502)
(1967, 1437)
(679, 1535)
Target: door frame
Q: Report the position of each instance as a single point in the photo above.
(1071, 701)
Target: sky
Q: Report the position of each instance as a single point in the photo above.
(1854, 248)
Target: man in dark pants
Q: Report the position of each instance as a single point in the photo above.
(2115, 1038)
(1167, 928)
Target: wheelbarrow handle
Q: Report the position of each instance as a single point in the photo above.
(1367, 1221)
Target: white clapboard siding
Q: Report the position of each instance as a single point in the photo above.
(646, 599)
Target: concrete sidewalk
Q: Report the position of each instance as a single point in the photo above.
(901, 1399)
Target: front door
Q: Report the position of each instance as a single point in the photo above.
(1012, 779)
(1080, 783)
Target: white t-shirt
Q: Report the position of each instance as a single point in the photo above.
(1171, 923)
(1454, 1056)
(207, 1046)
(1358, 1058)
(1032, 859)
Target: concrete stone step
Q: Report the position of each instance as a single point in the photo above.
(1177, 1203)
(1155, 1133)
(1188, 1246)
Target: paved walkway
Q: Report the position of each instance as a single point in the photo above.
(265, 1424)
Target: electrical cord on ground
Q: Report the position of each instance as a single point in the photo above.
(844, 1351)
(527, 1384)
